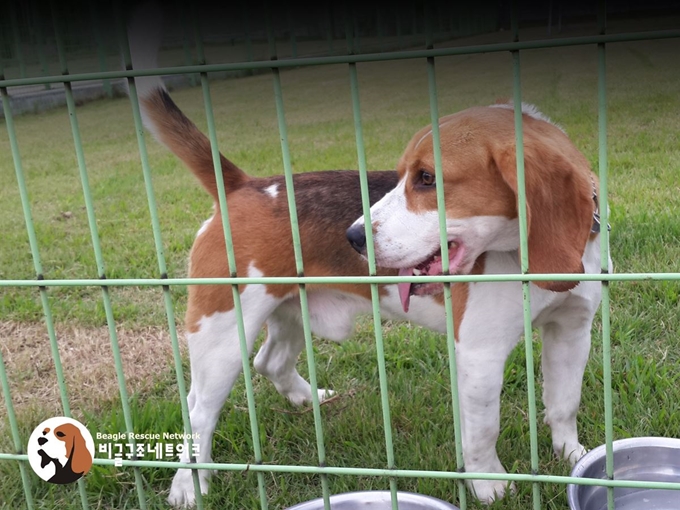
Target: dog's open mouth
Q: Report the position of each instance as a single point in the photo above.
(431, 266)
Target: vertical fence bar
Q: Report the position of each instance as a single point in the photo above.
(115, 347)
(524, 260)
(16, 437)
(158, 243)
(604, 254)
(370, 253)
(106, 299)
(444, 243)
(231, 262)
(37, 264)
(297, 249)
(14, 428)
(245, 358)
(526, 294)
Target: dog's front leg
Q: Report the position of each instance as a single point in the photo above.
(566, 347)
(481, 357)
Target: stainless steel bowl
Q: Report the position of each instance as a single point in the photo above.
(377, 500)
(653, 459)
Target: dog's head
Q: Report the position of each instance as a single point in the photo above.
(63, 443)
(480, 193)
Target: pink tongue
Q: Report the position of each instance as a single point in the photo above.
(405, 288)
(455, 258)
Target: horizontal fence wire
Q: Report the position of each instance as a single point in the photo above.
(391, 472)
(381, 473)
(287, 280)
(358, 58)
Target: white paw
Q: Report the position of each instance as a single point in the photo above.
(325, 394)
(488, 491)
(304, 396)
(182, 492)
(571, 453)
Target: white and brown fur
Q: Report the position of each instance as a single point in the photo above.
(481, 193)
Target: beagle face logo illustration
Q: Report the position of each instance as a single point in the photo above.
(60, 450)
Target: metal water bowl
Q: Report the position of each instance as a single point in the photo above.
(377, 500)
(652, 459)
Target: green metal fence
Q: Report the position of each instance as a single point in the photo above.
(352, 58)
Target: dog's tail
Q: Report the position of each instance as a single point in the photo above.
(162, 117)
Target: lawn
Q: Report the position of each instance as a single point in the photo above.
(644, 164)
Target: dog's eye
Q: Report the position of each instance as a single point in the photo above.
(60, 434)
(426, 178)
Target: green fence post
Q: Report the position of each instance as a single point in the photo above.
(14, 428)
(158, 244)
(444, 243)
(297, 248)
(604, 253)
(524, 259)
(370, 252)
(231, 260)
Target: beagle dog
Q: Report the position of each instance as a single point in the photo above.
(65, 449)
(480, 187)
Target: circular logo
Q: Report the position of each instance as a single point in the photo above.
(60, 450)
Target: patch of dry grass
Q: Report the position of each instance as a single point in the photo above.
(87, 361)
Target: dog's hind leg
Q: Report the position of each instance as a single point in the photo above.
(278, 356)
(215, 364)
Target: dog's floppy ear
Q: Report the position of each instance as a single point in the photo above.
(76, 449)
(560, 206)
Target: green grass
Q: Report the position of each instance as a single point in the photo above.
(644, 158)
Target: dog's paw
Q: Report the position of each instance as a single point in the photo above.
(488, 491)
(304, 397)
(325, 394)
(571, 453)
(182, 494)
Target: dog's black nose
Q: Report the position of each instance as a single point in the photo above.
(42, 440)
(356, 235)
